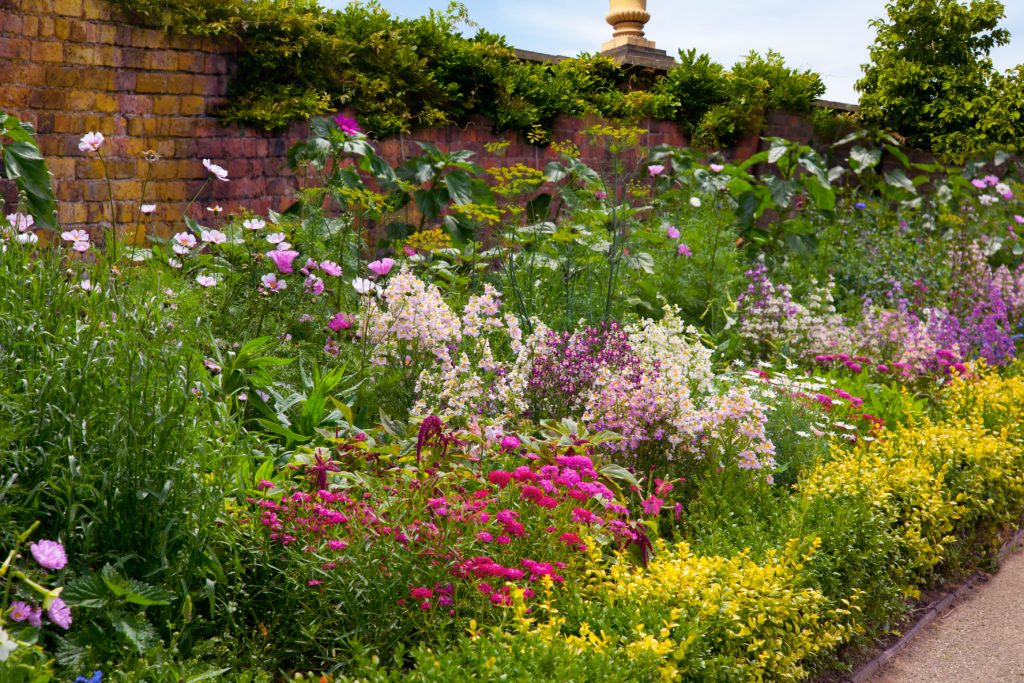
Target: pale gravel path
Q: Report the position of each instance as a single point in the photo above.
(980, 640)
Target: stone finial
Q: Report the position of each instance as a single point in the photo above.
(628, 17)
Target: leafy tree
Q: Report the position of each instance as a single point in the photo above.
(931, 76)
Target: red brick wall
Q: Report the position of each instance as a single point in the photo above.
(71, 66)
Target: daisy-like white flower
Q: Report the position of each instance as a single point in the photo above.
(254, 224)
(206, 281)
(219, 172)
(362, 285)
(91, 142)
(147, 208)
(275, 238)
(695, 202)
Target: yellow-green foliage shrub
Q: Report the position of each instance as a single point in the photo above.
(907, 491)
(707, 618)
(982, 472)
(997, 401)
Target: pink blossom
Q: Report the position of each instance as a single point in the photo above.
(348, 126)
(183, 241)
(213, 236)
(601, 194)
(314, 285)
(978, 183)
(652, 505)
(717, 168)
(683, 250)
(20, 611)
(283, 259)
(59, 613)
(330, 268)
(509, 443)
(340, 321)
(254, 224)
(272, 284)
(20, 221)
(80, 246)
(655, 170)
(206, 280)
(75, 236)
(91, 142)
(382, 267)
(218, 172)
(49, 554)
(672, 232)
(147, 208)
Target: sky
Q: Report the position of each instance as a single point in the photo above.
(828, 36)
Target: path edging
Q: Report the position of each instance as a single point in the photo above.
(939, 606)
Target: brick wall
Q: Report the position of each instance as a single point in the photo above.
(72, 66)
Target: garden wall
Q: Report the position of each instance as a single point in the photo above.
(73, 66)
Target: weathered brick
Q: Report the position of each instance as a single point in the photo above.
(192, 105)
(125, 80)
(105, 103)
(179, 84)
(81, 100)
(72, 8)
(135, 105)
(94, 9)
(151, 83)
(166, 105)
(171, 191)
(95, 78)
(47, 52)
(88, 169)
(160, 60)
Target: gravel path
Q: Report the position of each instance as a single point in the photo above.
(980, 640)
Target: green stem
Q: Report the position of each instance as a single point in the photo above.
(112, 244)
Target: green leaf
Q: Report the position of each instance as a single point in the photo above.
(620, 473)
(897, 177)
(862, 159)
(136, 631)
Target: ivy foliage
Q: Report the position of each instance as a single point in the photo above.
(931, 78)
(298, 60)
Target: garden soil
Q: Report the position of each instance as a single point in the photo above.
(980, 640)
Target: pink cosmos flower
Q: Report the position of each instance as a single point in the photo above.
(979, 184)
(1019, 219)
(218, 172)
(716, 168)
(20, 611)
(408, 251)
(600, 194)
(275, 238)
(340, 321)
(314, 285)
(348, 126)
(80, 246)
(683, 250)
(991, 180)
(254, 224)
(330, 268)
(672, 232)
(21, 221)
(91, 142)
(147, 208)
(213, 236)
(272, 284)
(75, 236)
(282, 259)
(59, 613)
(49, 554)
(655, 170)
(311, 265)
(206, 280)
(183, 241)
(382, 267)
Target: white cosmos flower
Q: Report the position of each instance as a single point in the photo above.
(362, 285)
